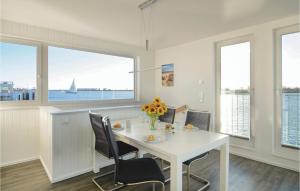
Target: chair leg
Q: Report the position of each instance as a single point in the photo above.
(161, 163)
(188, 178)
(146, 182)
(103, 175)
(162, 186)
(197, 178)
(202, 180)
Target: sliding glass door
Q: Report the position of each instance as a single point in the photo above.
(234, 92)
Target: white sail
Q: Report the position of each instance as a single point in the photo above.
(73, 88)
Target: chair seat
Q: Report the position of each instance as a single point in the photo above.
(139, 170)
(188, 162)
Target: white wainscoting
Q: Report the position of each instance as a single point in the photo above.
(19, 129)
(46, 140)
(66, 139)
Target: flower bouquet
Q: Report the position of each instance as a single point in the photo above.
(154, 109)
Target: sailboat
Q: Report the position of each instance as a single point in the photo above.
(73, 88)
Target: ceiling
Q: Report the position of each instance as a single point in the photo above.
(174, 21)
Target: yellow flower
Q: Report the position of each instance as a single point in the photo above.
(155, 108)
(157, 100)
(145, 107)
(152, 110)
(160, 111)
(157, 105)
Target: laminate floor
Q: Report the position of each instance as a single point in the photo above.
(244, 175)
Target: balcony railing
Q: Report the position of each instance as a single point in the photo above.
(235, 113)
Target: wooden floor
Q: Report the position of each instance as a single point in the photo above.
(244, 175)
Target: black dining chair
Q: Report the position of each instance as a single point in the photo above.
(169, 116)
(132, 171)
(102, 145)
(202, 121)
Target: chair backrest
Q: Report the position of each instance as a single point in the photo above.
(169, 116)
(112, 144)
(101, 142)
(198, 119)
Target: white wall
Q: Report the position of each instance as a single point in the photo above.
(20, 126)
(19, 130)
(196, 61)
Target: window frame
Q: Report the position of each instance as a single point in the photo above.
(278, 33)
(42, 74)
(218, 46)
(45, 100)
(38, 45)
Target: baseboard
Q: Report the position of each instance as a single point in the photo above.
(260, 159)
(71, 175)
(19, 161)
(46, 169)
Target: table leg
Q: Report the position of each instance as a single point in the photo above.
(95, 166)
(176, 175)
(224, 167)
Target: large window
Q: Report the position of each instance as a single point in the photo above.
(289, 86)
(18, 71)
(75, 75)
(233, 87)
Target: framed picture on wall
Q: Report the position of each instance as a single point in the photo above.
(167, 75)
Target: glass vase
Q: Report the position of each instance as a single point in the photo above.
(152, 124)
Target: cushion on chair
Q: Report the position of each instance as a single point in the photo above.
(139, 170)
(188, 162)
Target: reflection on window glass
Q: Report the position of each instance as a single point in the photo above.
(18, 65)
(291, 89)
(75, 75)
(235, 89)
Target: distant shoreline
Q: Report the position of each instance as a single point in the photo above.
(77, 90)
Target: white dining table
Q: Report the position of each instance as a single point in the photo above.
(177, 147)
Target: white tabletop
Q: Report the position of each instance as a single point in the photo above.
(183, 143)
(177, 147)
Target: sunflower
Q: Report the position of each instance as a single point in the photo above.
(160, 111)
(158, 105)
(145, 107)
(156, 108)
(152, 110)
(157, 100)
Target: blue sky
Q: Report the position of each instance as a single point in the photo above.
(18, 64)
(291, 60)
(235, 65)
(90, 70)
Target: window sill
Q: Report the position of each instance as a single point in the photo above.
(86, 109)
(236, 136)
(291, 147)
